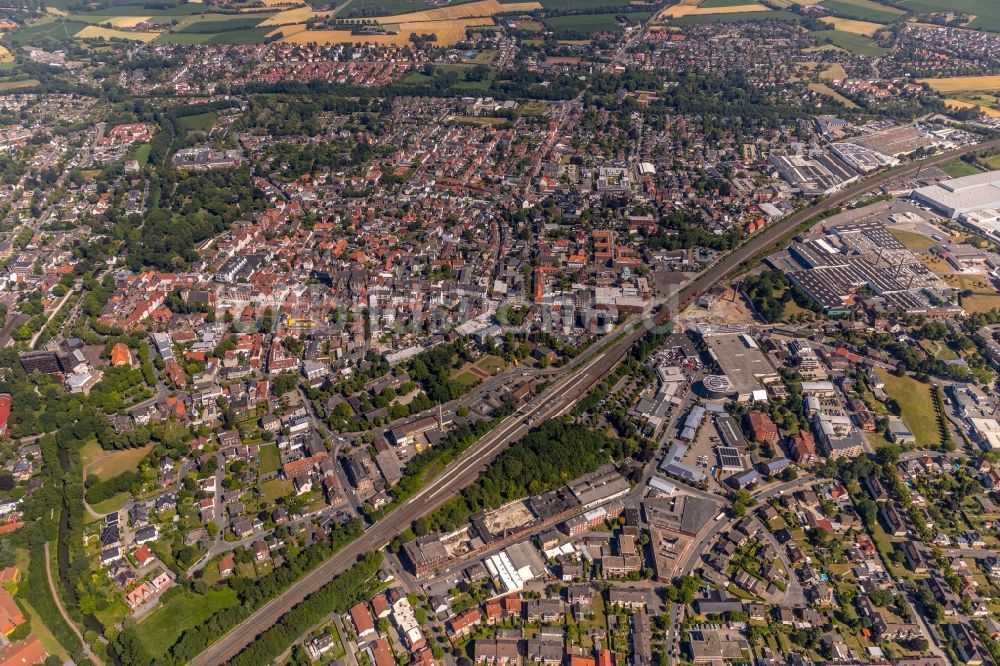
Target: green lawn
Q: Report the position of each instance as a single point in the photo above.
(276, 488)
(915, 406)
(161, 628)
(202, 122)
(913, 240)
(270, 458)
(854, 43)
(142, 154)
(466, 380)
(958, 168)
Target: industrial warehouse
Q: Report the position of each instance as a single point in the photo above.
(962, 195)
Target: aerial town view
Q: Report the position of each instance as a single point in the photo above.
(500, 332)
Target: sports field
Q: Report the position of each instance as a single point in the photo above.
(852, 26)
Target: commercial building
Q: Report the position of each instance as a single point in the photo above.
(741, 361)
(967, 194)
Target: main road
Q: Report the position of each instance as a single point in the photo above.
(555, 401)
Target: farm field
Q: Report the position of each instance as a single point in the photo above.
(297, 15)
(97, 32)
(722, 3)
(5, 55)
(963, 83)
(852, 26)
(590, 23)
(987, 12)
(581, 4)
(769, 15)
(244, 36)
(386, 6)
(677, 11)
(862, 10)
(854, 43)
(213, 27)
(54, 29)
(521, 6)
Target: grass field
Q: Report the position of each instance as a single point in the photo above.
(59, 30)
(447, 32)
(958, 168)
(161, 628)
(834, 72)
(274, 489)
(490, 364)
(988, 108)
(854, 43)
(862, 10)
(225, 25)
(5, 55)
(987, 12)
(142, 154)
(297, 15)
(915, 406)
(202, 122)
(981, 302)
(97, 32)
(465, 380)
(591, 23)
(913, 240)
(830, 92)
(113, 463)
(993, 161)
(852, 26)
(244, 36)
(270, 458)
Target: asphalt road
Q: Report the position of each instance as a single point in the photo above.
(556, 401)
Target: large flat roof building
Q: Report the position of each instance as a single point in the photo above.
(962, 195)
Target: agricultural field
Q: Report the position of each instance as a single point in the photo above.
(987, 12)
(244, 36)
(97, 32)
(225, 25)
(5, 55)
(738, 17)
(854, 43)
(561, 5)
(384, 7)
(706, 9)
(59, 30)
(18, 85)
(990, 107)
(852, 26)
(963, 83)
(297, 15)
(591, 23)
(863, 10)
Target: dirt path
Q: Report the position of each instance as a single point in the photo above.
(62, 611)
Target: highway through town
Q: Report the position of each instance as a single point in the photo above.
(555, 401)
